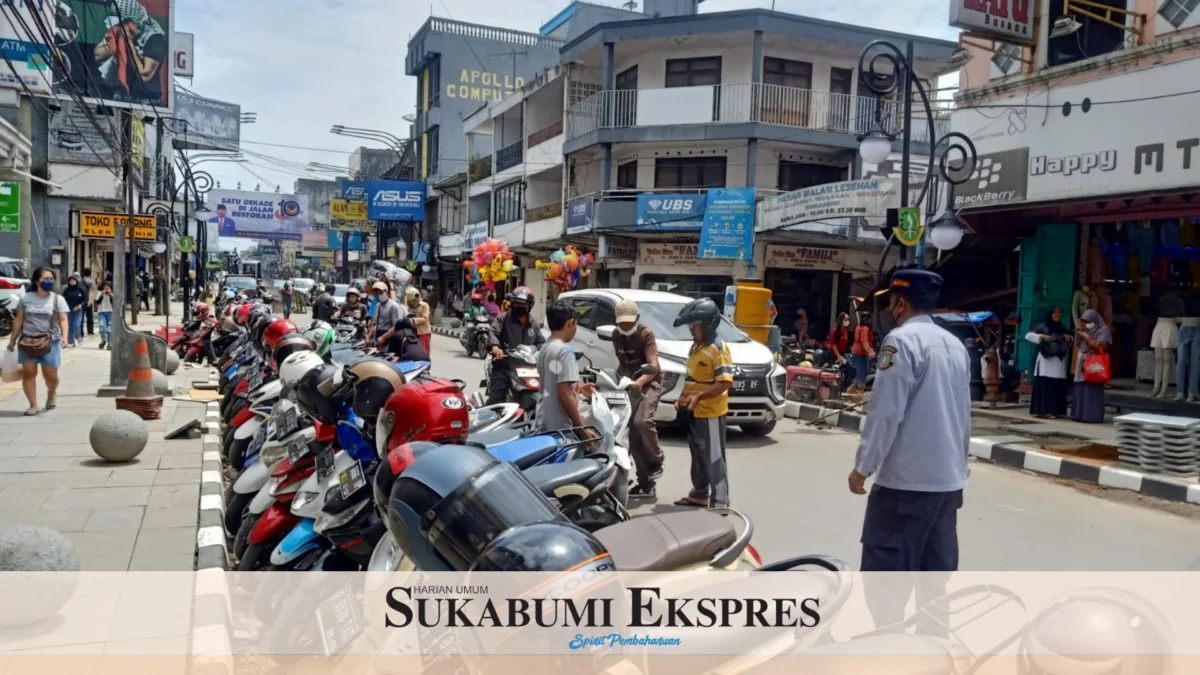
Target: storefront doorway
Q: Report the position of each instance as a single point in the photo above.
(812, 291)
(698, 286)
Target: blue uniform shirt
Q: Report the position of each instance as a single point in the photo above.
(918, 430)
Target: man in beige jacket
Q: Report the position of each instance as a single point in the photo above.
(418, 311)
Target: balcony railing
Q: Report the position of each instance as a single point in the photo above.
(745, 102)
(510, 156)
(543, 135)
(479, 169)
(543, 212)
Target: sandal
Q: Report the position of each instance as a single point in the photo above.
(31, 412)
(51, 403)
(695, 502)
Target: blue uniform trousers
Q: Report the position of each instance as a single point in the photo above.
(909, 531)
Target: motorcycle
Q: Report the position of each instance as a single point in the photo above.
(474, 337)
(7, 315)
(348, 331)
(524, 383)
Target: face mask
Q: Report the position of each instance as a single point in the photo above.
(47, 284)
(520, 312)
(1086, 326)
(626, 333)
(846, 322)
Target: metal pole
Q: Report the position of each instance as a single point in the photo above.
(907, 152)
(25, 218)
(345, 257)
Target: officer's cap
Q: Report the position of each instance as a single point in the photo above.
(917, 285)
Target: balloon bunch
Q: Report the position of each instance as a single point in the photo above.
(490, 263)
(566, 267)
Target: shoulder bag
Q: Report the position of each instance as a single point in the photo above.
(37, 346)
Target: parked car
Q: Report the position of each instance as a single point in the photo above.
(14, 280)
(242, 284)
(757, 399)
(339, 292)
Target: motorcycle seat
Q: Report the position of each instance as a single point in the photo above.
(667, 542)
(550, 477)
(488, 439)
(525, 452)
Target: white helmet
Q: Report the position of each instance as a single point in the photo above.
(321, 335)
(295, 366)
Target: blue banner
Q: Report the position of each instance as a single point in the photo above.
(579, 214)
(396, 200)
(474, 235)
(670, 212)
(354, 190)
(357, 240)
(728, 224)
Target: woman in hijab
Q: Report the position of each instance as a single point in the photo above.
(1095, 338)
(1050, 371)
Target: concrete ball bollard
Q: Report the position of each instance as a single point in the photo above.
(28, 554)
(119, 436)
(173, 362)
(162, 386)
(455, 323)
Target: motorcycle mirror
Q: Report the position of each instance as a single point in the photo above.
(606, 332)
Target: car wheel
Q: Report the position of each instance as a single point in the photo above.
(759, 429)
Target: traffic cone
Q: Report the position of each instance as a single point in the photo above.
(139, 395)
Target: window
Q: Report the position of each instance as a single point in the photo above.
(1176, 12)
(841, 86)
(435, 82)
(841, 80)
(797, 175)
(605, 314)
(625, 104)
(510, 203)
(585, 308)
(1007, 54)
(1094, 38)
(690, 172)
(787, 73)
(660, 316)
(627, 176)
(693, 72)
(433, 150)
(627, 79)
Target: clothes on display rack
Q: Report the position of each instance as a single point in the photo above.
(1168, 232)
(1095, 261)
(1142, 241)
(1187, 360)
(1104, 304)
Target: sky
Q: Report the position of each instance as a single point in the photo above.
(306, 65)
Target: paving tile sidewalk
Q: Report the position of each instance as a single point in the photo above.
(137, 516)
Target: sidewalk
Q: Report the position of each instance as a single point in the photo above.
(138, 516)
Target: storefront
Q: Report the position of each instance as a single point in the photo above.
(615, 258)
(675, 268)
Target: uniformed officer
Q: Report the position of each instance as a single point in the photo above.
(914, 444)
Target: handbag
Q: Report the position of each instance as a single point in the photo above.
(1056, 348)
(37, 346)
(1096, 368)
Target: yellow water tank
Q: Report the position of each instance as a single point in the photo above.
(752, 310)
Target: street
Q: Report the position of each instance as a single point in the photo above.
(793, 486)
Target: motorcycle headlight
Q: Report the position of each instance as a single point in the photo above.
(273, 486)
(272, 454)
(304, 499)
(327, 521)
(383, 430)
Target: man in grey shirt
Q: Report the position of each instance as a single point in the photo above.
(388, 313)
(559, 372)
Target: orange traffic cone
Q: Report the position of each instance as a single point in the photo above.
(139, 395)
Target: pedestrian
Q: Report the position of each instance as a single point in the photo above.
(325, 304)
(387, 314)
(39, 336)
(138, 290)
(104, 312)
(76, 299)
(637, 358)
(89, 285)
(489, 303)
(144, 289)
(1095, 338)
(914, 444)
(705, 404)
(419, 310)
(1049, 399)
(287, 299)
(558, 408)
(838, 341)
(862, 352)
(801, 327)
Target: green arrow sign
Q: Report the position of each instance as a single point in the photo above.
(10, 207)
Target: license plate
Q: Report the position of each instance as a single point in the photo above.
(352, 480)
(288, 422)
(340, 620)
(256, 380)
(325, 464)
(527, 372)
(616, 398)
(296, 450)
(743, 386)
(260, 437)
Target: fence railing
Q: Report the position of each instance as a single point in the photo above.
(543, 135)
(543, 212)
(510, 156)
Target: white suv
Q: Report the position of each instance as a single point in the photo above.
(757, 399)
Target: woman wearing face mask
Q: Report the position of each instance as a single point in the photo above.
(104, 312)
(39, 335)
(1095, 338)
(861, 353)
(418, 311)
(76, 298)
(839, 341)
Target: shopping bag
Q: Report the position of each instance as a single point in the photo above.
(10, 368)
(1096, 369)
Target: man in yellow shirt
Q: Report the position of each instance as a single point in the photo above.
(704, 404)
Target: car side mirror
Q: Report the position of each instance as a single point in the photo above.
(606, 332)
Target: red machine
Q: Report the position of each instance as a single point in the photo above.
(813, 385)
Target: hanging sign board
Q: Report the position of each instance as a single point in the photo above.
(104, 225)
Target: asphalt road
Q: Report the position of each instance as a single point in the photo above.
(793, 486)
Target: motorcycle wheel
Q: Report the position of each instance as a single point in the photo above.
(227, 440)
(257, 557)
(237, 453)
(240, 539)
(235, 510)
(620, 489)
(234, 408)
(481, 348)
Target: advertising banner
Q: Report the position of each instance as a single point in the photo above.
(73, 138)
(29, 56)
(617, 248)
(670, 212)
(97, 40)
(342, 209)
(313, 239)
(185, 55)
(674, 254)
(396, 200)
(579, 214)
(817, 258)
(728, 224)
(355, 241)
(1010, 21)
(259, 215)
(861, 198)
(207, 124)
(474, 235)
(354, 190)
(104, 225)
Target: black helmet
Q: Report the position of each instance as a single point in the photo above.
(320, 393)
(396, 461)
(448, 505)
(521, 294)
(702, 311)
(290, 344)
(554, 546)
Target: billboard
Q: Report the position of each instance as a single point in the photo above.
(396, 200)
(28, 56)
(342, 209)
(355, 241)
(104, 225)
(1004, 21)
(259, 215)
(73, 139)
(728, 224)
(354, 190)
(205, 123)
(118, 51)
(185, 54)
(673, 212)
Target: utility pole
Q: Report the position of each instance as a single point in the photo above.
(25, 226)
(122, 338)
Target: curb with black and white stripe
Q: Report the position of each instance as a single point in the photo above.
(212, 626)
(455, 333)
(1004, 451)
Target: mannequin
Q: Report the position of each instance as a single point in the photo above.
(1164, 340)
(1104, 304)
(1187, 360)
(1081, 301)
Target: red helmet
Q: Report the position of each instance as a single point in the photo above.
(242, 314)
(276, 330)
(199, 310)
(428, 409)
(522, 294)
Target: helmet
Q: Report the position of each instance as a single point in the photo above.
(702, 311)
(449, 504)
(290, 344)
(227, 295)
(199, 310)
(321, 335)
(374, 381)
(476, 295)
(352, 291)
(294, 367)
(321, 393)
(396, 461)
(275, 331)
(427, 409)
(521, 294)
(242, 314)
(259, 320)
(554, 546)
(229, 325)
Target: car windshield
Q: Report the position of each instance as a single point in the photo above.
(241, 283)
(13, 269)
(302, 284)
(340, 290)
(278, 283)
(660, 318)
